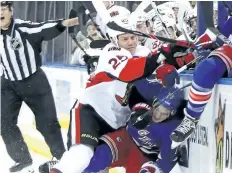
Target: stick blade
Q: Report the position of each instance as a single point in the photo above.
(97, 44)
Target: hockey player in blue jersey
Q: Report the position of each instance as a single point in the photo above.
(206, 75)
(149, 133)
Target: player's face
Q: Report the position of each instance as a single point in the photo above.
(128, 42)
(142, 28)
(160, 114)
(193, 23)
(92, 31)
(172, 32)
(6, 16)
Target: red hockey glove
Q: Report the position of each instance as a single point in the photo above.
(209, 40)
(168, 75)
(149, 167)
(170, 51)
(181, 61)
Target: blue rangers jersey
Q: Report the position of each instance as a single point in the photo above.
(155, 138)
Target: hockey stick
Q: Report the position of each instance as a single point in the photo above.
(228, 8)
(185, 67)
(149, 112)
(181, 21)
(209, 23)
(73, 36)
(114, 26)
(141, 7)
(87, 12)
(160, 18)
(72, 33)
(100, 8)
(96, 44)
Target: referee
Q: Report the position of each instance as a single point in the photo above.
(24, 80)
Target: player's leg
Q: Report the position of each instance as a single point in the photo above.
(113, 152)
(136, 159)
(40, 99)
(86, 126)
(11, 134)
(206, 74)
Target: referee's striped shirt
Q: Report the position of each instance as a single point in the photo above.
(20, 46)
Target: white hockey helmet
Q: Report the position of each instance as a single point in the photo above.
(138, 18)
(172, 4)
(123, 22)
(191, 14)
(151, 14)
(108, 4)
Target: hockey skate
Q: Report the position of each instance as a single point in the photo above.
(47, 166)
(22, 167)
(183, 131)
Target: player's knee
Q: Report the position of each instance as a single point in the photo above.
(205, 73)
(83, 150)
(102, 159)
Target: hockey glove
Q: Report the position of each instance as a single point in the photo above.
(91, 62)
(183, 60)
(171, 52)
(149, 167)
(168, 75)
(209, 40)
(140, 117)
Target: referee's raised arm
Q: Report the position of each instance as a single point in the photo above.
(24, 80)
(45, 30)
(21, 43)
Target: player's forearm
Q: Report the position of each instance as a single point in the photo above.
(137, 68)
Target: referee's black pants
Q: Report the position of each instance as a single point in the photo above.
(36, 92)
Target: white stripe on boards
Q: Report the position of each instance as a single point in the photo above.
(31, 56)
(13, 59)
(22, 55)
(37, 29)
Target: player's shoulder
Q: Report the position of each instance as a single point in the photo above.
(113, 50)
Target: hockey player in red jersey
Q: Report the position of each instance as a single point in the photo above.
(206, 75)
(141, 23)
(101, 109)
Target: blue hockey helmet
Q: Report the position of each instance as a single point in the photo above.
(169, 98)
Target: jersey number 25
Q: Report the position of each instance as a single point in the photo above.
(115, 62)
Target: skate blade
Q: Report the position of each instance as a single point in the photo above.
(175, 144)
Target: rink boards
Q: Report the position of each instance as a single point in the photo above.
(210, 146)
